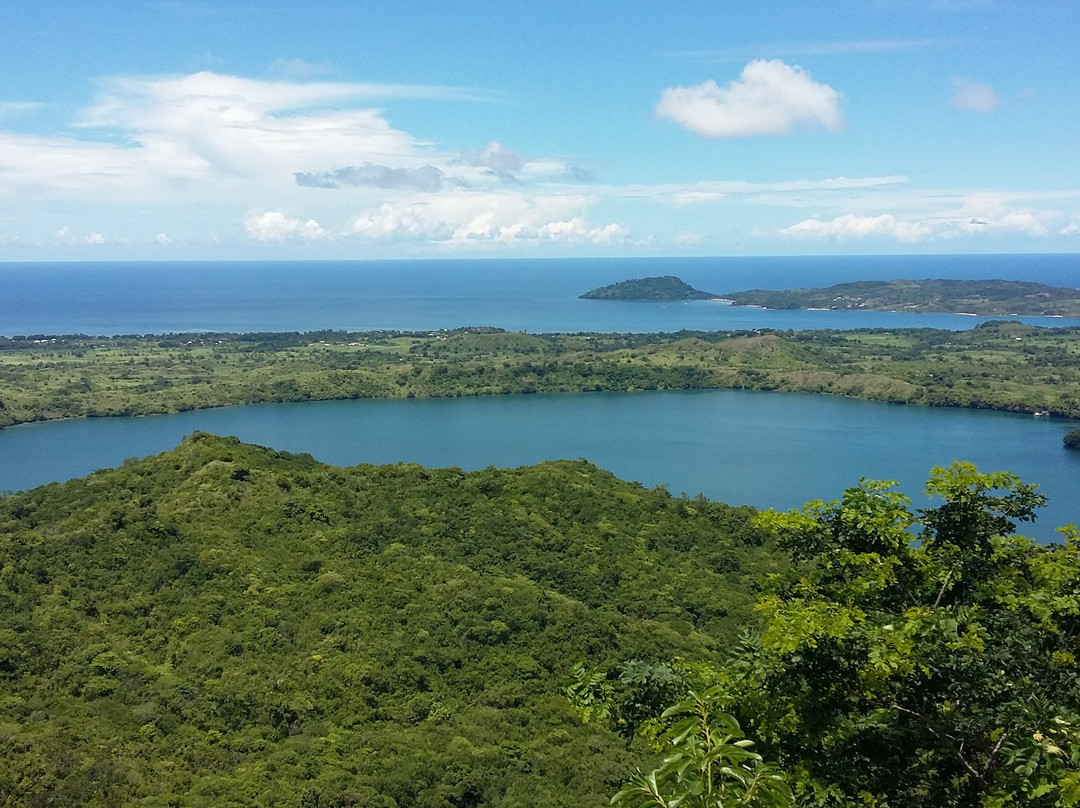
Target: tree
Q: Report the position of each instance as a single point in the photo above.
(631, 697)
(924, 657)
(707, 764)
(1072, 439)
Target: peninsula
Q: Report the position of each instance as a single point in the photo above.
(992, 298)
(661, 289)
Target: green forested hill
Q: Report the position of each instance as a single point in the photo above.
(989, 297)
(664, 288)
(227, 625)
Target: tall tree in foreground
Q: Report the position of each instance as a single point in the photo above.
(925, 658)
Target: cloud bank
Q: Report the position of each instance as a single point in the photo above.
(474, 218)
(218, 158)
(269, 147)
(980, 214)
(161, 137)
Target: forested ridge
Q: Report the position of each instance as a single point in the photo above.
(997, 365)
(228, 625)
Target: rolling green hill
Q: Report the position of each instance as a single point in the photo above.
(227, 625)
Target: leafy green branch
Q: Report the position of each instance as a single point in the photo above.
(708, 763)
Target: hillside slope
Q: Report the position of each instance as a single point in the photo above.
(227, 625)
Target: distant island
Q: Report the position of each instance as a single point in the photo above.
(988, 297)
(664, 288)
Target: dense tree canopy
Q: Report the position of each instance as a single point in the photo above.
(914, 657)
(663, 288)
(996, 298)
(924, 657)
(224, 625)
(1072, 439)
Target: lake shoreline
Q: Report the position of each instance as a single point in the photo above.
(1044, 414)
(1007, 367)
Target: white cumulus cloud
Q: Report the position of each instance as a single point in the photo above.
(66, 236)
(504, 162)
(400, 222)
(1071, 229)
(579, 231)
(992, 212)
(494, 156)
(273, 225)
(769, 98)
(218, 124)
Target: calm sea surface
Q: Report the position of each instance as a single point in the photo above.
(742, 447)
(532, 295)
(764, 449)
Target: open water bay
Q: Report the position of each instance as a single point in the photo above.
(740, 447)
(108, 298)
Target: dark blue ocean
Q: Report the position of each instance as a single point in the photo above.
(110, 298)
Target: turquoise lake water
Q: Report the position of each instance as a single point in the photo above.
(741, 447)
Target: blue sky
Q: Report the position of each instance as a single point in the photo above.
(183, 129)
